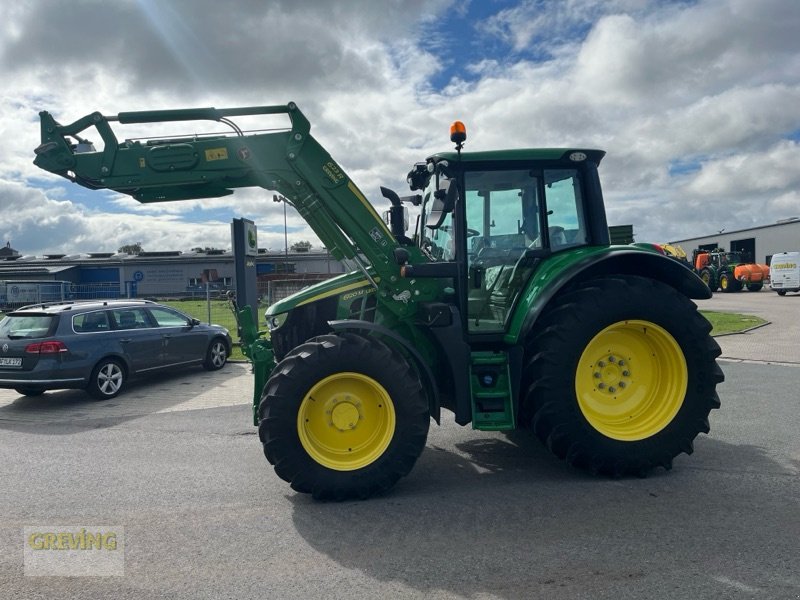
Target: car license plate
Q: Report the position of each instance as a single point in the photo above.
(10, 362)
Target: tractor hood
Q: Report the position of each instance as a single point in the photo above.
(353, 282)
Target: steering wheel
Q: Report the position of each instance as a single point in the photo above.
(472, 232)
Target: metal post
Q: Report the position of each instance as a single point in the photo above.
(208, 300)
(285, 234)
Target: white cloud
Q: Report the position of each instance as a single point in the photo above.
(713, 83)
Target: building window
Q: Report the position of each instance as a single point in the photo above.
(195, 281)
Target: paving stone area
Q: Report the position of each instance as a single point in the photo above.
(778, 342)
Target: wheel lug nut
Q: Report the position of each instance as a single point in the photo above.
(621, 384)
(601, 385)
(601, 364)
(621, 362)
(611, 359)
(597, 375)
(612, 389)
(625, 373)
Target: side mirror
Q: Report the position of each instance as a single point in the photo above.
(444, 201)
(194, 322)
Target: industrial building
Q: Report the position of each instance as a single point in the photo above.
(110, 275)
(760, 243)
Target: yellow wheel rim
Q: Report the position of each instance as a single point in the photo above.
(346, 421)
(631, 380)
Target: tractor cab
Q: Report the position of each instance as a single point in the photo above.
(498, 216)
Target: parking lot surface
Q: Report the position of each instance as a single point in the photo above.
(176, 462)
(778, 342)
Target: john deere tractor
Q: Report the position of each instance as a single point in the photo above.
(506, 305)
(729, 271)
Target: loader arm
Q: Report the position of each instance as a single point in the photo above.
(290, 162)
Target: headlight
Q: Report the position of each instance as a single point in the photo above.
(275, 321)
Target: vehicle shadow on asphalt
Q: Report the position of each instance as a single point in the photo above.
(503, 518)
(61, 412)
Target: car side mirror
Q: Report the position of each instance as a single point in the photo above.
(194, 322)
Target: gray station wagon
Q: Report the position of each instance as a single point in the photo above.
(98, 345)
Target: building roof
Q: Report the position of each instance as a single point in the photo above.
(781, 223)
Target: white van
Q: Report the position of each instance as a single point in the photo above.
(784, 272)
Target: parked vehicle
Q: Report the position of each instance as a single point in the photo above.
(784, 272)
(729, 271)
(99, 345)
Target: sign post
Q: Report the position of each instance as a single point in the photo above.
(245, 249)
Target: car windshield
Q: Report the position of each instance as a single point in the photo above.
(16, 326)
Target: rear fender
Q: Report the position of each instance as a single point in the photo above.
(612, 261)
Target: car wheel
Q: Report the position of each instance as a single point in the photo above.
(781, 292)
(216, 355)
(29, 392)
(107, 379)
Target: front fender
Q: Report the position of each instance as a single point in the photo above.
(419, 362)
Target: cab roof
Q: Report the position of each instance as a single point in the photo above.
(522, 154)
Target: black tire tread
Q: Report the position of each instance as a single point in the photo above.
(552, 410)
(292, 378)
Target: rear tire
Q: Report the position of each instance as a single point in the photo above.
(107, 379)
(621, 375)
(216, 355)
(343, 416)
(755, 287)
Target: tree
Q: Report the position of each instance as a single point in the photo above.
(301, 246)
(131, 248)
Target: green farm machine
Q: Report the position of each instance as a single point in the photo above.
(506, 305)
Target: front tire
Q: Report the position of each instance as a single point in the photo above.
(728, 283)
(710, 279)
(621, 375)
(754, 287)
(343, 416)
(781, 292)
(216, 355)
(106, 380)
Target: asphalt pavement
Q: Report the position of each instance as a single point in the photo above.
(175, 462)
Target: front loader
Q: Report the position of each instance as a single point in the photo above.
(506, 305)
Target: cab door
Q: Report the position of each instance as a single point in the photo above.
(515, 220)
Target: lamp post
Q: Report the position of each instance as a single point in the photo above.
(277, 198)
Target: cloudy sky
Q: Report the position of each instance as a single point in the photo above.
(697, 103)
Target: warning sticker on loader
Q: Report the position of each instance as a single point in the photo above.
(216, 154)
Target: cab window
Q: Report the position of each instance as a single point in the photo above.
(564, 199)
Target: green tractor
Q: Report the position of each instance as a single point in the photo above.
(506, 305)
(729, 271)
